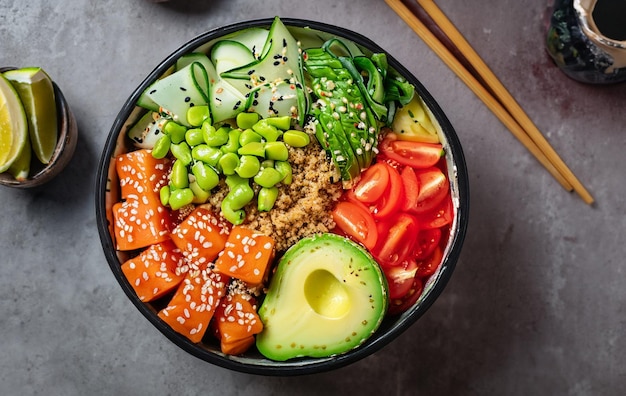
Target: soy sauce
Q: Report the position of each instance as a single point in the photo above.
(610, 18)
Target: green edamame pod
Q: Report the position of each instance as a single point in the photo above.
(194, 136)
(268, 177)
(180, 198)
(200, 195)
(233, 141)
(246, 120)
(239, 196)
(214, 137)
(175, 131)
(164, 195)
(252, 148)
(228, 163)
(276, 151)
(196, 115)
(249, 136)
(296, 138)
(267, 198)
(179, 176)
(162, 147)
(249, 166)
(284, 168)
(208, 155)
(205, 176)
(182, 152)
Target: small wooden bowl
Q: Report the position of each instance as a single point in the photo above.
(66, 145)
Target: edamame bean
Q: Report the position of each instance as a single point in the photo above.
(283, 122)
(196, 115)
(268, 163)
(249, 136)
(200, 195)
(234, 179)
(180, 198)
(252, 148)
(205, 176)
(296, 138)
(249, 166)
(179, 176)
(206, 154)
(176, 131)
(161, 147)
(233, 141)
(182, 152)
(276, 151)
(164, 195)
(194, 137)
(234, 216)
(246, 120)
(269, 132)
(268, 177)
(284, 168)
(239, 196)
(266, 199)
(228, 163)
(214, 137)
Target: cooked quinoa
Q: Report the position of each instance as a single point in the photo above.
(303, 207)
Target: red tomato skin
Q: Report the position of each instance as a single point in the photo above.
(400, 278)
(426, 243)
(399, 240)
(438, 217)
(411, 188)
(356, 221)
(373, 184)
(416, 154)
(399, 305)
(428, 266)
(433, 188)
(392, 201)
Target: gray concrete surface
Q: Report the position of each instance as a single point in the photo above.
(537, 305)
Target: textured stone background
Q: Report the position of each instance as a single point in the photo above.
(537, 302)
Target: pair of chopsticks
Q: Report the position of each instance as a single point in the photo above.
(470, 69)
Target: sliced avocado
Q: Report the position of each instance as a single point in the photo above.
(327, 296)
(413, 123)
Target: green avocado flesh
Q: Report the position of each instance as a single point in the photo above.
(328, 296)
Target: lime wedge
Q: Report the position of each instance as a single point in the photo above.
(35, 89)
(13, 125)
(20, 168)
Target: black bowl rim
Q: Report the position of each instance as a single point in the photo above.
(295, 367)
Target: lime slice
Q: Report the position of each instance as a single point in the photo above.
(20, 168)
(13, 125)
(37, 95)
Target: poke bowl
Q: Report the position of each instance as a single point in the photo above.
(281, 197)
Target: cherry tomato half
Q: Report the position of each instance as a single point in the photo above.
(355, 220)
(428, 266)
(373, 184)
(410, 153)
(427, 242)
(411, 188)
(400, 278)
(397, 239)
(433, 188)
(399, 305)
(392, 200)
(438, 217)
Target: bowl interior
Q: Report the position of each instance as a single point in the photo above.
(310, 34)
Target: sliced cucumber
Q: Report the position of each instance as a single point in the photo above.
(188, 59)
(185, 88)
(274, 100)
(229, 54)
(147, 130)
(253, 38)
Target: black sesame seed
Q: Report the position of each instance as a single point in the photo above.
(187, 99)
(251, 72)
(183, 89)
(284, 42)
(153, 91)
(276, 63)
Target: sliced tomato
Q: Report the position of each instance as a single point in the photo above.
(427, 242)
(399, 305)
(400, 278)
(411, 188)
(428, 266)
(355, 220)
(433, 188)
(409, 153)
(439, 217)
(373, 183)
(397, 240)
(392, 200)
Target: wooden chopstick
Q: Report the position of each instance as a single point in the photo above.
(533, 140)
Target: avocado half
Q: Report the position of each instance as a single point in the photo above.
(327, 296)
